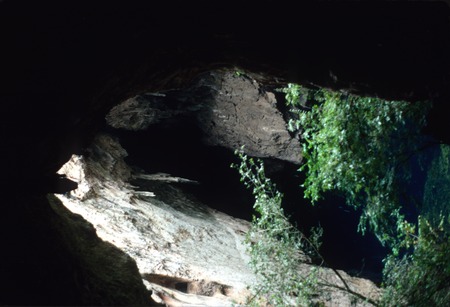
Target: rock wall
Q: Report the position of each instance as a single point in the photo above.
(186, 252)
(231, 110)
(242, 113)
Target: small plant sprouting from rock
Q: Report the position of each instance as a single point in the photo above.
(276, 247)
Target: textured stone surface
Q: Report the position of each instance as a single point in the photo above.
(186, 252)
(110, 274)
(169, 234)
(231, 109)
(242, 113)
(141, 111)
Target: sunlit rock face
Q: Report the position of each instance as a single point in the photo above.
(186, 252)
(173, 238)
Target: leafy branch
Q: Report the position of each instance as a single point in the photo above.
(277, 248)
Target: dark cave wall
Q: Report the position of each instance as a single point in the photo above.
(63, 65)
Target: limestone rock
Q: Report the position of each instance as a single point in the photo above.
(187, 253)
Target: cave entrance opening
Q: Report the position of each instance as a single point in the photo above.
(175, 144)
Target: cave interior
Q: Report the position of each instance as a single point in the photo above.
(65, 65)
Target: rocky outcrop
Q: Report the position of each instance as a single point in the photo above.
(175, 240)
(139, 112)
(232, 110)
(187, 253)
(241, 113)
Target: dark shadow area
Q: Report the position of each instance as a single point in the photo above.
(342, 246)
(34, 251)
(177, 150)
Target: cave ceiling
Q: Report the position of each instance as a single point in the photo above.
(65, 65)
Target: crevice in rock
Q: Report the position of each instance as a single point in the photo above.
(198, 287)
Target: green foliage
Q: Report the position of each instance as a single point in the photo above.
(361, 147)
(276, 247)
(294, 94)
(437, 187)
(358, 146)
(421, 278)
